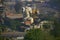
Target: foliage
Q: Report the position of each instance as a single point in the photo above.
(55, 3)
(56, 31)
(37, 34)
(1, 1)
(18, 7)
(14, 24)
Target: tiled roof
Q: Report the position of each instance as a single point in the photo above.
(14, 16)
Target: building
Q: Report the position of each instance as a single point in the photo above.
(13, 16)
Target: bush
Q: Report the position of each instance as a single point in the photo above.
(37, 34)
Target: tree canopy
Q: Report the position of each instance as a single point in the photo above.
(37, 34)
(55, 3)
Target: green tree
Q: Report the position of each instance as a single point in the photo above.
(18, 7)
(56, 31)
(37, 34)
(55, 3)
(14, 24)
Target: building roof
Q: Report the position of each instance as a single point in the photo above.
(13, 16)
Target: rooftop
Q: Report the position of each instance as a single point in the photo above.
(13, 16)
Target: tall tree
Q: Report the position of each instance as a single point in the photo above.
(18, 7)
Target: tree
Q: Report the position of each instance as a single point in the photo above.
(14, 24)
(18, 7)
(56, 31)
(55, 3)
(1, 1)
(37, 34)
